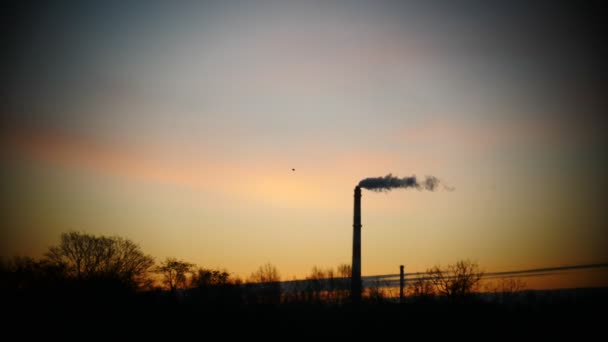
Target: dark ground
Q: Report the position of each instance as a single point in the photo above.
(577, 313)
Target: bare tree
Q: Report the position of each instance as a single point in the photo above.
(214, 288)
(456, 281)
(26, 273)
(314, 284)
(377, 292)
(207, 278)
(511, 285)
(266, 273)
(268, 289)
(90, 257)
(174, 273)
(505, 289)
(321, 284)
(421, 288)
(331, 285)
(345, 272)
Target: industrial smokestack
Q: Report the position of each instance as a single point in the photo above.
(356, 265)
(385, 183)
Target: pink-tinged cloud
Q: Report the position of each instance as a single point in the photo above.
(266, 177)
(61, 148)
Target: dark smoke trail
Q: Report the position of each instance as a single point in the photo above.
(389, 182)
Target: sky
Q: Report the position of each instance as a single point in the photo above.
(177, 125)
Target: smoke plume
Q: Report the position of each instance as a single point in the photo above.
(389, 182)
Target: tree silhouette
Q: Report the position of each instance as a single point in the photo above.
(215, 288)
(456, 281)
(268, 289)
(377, 292)
(266, 273)
(86, 257)
(506, 289)
(208, 278)
(174, 273)
(345, 272)
(321, 285)
(314, 284)
(27, 273)
(421, 288)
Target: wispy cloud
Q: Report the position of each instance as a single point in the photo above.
(262, 176)
(103, 157)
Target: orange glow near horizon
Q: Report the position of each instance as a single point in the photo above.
(293, 192)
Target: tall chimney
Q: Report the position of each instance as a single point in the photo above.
(356, 266)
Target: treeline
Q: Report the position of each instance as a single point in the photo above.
(112, 268)
(109, 285)
(108, 269)
(81, 262)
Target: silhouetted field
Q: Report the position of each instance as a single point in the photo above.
(68, 310)
(89, 287)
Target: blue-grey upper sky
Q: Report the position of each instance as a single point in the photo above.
(67, 53)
